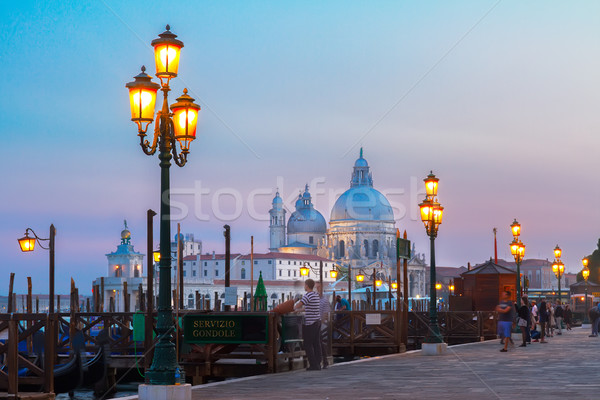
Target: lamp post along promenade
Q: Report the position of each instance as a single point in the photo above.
(173, 128)
(517, 249)
(558, 268)
(585, 272)
(431, 215)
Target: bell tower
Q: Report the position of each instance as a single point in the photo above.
(277, 224)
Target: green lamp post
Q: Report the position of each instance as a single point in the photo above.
(517, 249)
(558, 267)
(173, 128)
(431, 215)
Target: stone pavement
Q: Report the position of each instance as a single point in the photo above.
(565, 368)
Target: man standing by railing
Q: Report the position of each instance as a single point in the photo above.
(311, 327)
(325, 310)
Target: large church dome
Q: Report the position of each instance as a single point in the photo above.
(362, 201)
(306, 219)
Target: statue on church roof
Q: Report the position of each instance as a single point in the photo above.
(125, 234)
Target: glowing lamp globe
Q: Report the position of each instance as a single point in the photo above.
(585, 273)
(166, 54)
(515, 228)
(142, 98)
(333, 273)
(557, 252)
(437, 214)
(156, 255)
(426, 208)
(514, 247)
(304, 271)
(451, 287)
(185, 120)
(26, 243)
(360, 278)
(431, 185)
(555, 268)
(394, 285)
(521, 251)
(438, 286)
(585, 262)
(378, 282)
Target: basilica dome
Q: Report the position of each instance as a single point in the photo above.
(362, 201)
(306, 219)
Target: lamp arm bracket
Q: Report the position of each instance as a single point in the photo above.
(38, 239)
(145, 144)
(179, 158)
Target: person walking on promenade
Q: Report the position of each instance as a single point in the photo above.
(594, 314)
(551, 320)
(558, 316)
(543, 315)
(568, 317)
(311, 327)
(325, 310)
(505, 319)
(523, 320)
(534, 320)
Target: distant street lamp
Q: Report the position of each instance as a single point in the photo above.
(27, 244)
(585, 272)
(431, 215)
(360, 277)
(173, 128)
(305, 272)
(517, 249)
(558, 268)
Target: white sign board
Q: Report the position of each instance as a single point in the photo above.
(373, 319)
(231, 296)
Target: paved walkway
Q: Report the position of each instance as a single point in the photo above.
(565, 368)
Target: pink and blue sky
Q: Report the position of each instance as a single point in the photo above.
(499, 98)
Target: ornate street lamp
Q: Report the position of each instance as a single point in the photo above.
(431, 215)
(173, 128)
(27, 244)
(517, 249)
(558, 268)
(333, 273)
(360, 278)
(585, 272)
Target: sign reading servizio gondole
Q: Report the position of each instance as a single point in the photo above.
(225, 329)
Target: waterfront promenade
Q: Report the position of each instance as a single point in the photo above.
(566, 367)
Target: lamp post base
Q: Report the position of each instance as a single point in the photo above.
(165, 392)
(434, 349)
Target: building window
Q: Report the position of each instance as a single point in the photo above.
(243, 273)
(366, 244)
(216, 263)
(216, 272)
(325, 274)
(191, 301)
(310, 240)
(243, 262)
(375, 247)
(342, 248)
(205, 263)
(279, 272)
(289, 262)
(136, 272)
(118, 271)
(205, 273)
(294, 262)
(194, 273)
(289, 273)
(184, 273)
(294, 273)
(255, 262)
(270, 262)
(279, 261)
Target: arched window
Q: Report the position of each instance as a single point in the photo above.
(342, 248)
(191, 301)
(366, 244)
(136, 272)
(118, 271)
(375, 247)
(243, 273)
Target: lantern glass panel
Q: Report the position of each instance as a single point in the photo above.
(27, 244)
(515, 228)
(166, 57)
(142, 101)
